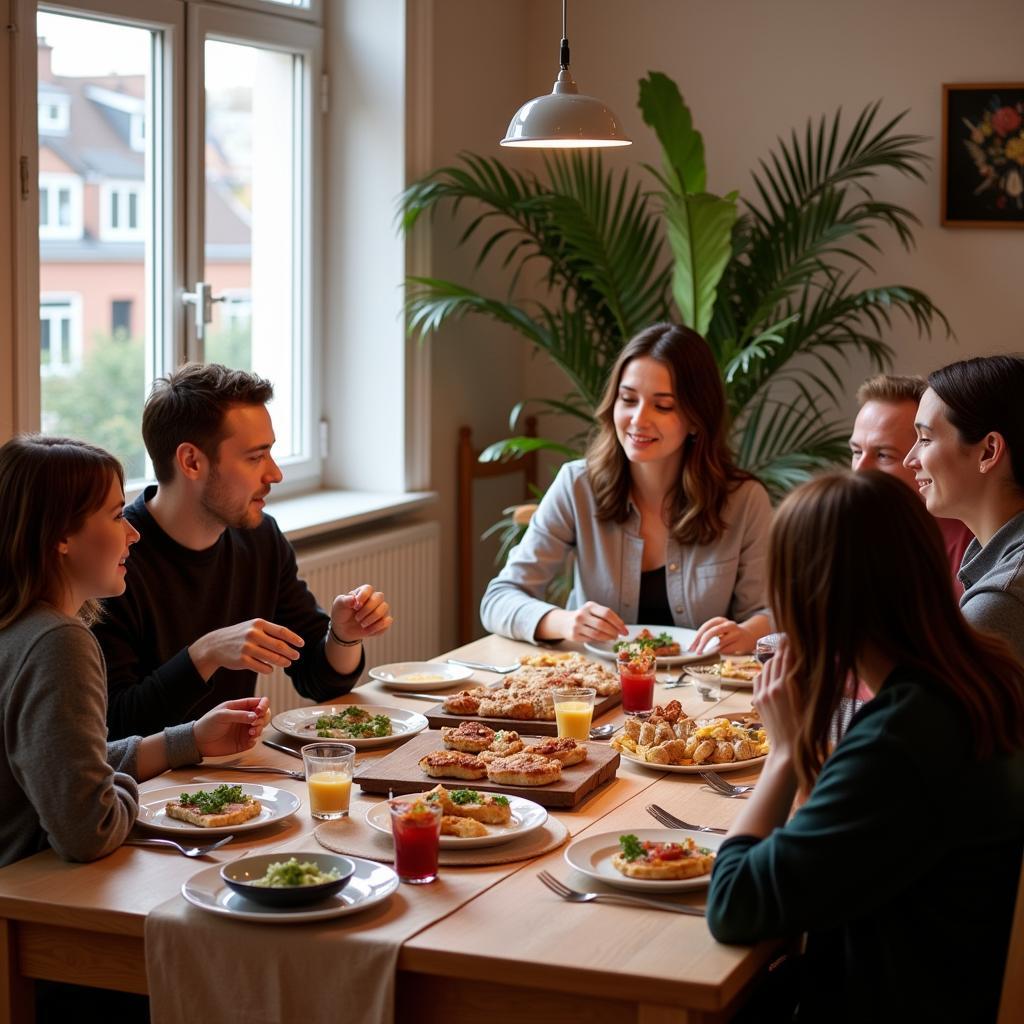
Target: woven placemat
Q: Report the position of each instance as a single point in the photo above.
(357, 839)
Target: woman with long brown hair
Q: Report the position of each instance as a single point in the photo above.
(63, 544)
(903, 863)
(969, 465)
(665, 529)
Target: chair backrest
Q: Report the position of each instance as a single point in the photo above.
(470, 469)
(1012, 998)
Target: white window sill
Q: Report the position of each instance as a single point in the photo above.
(322, 512)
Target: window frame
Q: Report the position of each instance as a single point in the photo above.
(54, 182)
(73, 301)
(123, 188)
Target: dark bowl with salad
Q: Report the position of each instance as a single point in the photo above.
(288, 880)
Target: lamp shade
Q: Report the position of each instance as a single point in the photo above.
(564, 119)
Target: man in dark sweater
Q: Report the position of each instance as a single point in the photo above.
(213, 593)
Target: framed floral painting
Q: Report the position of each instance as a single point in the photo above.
(983, 156)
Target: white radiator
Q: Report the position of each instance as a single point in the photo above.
(403, 563)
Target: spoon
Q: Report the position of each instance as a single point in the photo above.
(602, 732)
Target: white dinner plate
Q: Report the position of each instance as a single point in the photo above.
(301, 723)
(683, 637)
(526, 817)
(277, 804)
(714, 679)
(592, 855)
(371, 884)
(695, 769)
(397, 676)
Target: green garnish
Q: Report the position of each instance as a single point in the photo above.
(464, 796)
(632, 848)
(215, 802)
(353, 723)
(501, 801)
(651, 642)
(704, 851)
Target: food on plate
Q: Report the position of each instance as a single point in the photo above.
(487, 808)
(746, 669)
(453, 764)
(464, 828)
(564, 749)
(692, 742)
(662, 861)
(289, 874)
(225, 805)
(469, 737)
(505, 742)
(352, 724)
(661, 645)
(422, 677)
(524, 769)
(547, 659)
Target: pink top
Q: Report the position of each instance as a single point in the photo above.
(956, 537)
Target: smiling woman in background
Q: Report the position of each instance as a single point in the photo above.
(665, 529)
(907, 900)
(969, 465)
(63, 544)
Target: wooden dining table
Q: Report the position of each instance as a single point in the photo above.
(514, 951)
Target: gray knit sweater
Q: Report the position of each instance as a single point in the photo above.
(61, 783)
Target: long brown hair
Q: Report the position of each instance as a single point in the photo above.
(49, 486)
(695, 507)
(982, 395)
(855, 559)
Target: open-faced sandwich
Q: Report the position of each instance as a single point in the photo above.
(661, 645)
(662, 861)
(453, 764)
(226, 805)
(352, 724)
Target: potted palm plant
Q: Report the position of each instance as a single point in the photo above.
(772, 280)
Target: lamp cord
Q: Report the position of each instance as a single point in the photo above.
(563, 50)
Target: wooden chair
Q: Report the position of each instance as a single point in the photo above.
(1013, 981)
(470, 469)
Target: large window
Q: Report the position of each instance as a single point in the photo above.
(211, 265)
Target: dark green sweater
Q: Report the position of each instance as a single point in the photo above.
(902, 867)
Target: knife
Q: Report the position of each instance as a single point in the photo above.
(282, 748)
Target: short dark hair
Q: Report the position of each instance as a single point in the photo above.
(982, 395)
(189, 405)
(888, 387)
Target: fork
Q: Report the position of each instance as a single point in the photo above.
(500, 669)
(671, 821)
(251, 768)
(717, 783)
(188, 851)
(573, 896)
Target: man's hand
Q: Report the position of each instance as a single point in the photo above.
(592, 623)
(360, 613)
(231, 727)
(257, 645)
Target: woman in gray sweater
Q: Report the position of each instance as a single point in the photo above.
(665, 529)
(63, 544)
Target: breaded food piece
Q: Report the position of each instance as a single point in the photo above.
(547, 659)
(488, 808)
(544, 707)
(465, 702)
(724, 753)
(506, 707)
(524, 769)
(703, 751)
(452, 764)
(464, 828)
(656, 755)
(440, 795)
(647, 734)
(670, 712)
(663, 732)
(631, 728)
(469, 737)
(233, 814)
(506, 742)
(743, 749)
(563, 749)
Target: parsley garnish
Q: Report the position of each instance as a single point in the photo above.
(464, 796)
(215, 802)
(632, 848)
(651, 642)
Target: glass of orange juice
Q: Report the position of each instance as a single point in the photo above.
(574, 709)
(329, 778)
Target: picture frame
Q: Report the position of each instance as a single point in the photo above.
(983, 155)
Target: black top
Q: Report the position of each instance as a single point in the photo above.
(902, 867)
(175, 596)
(654, 609)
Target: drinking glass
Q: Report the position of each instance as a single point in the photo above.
(329, 778)
(416, 830)
(574, 710)
(765, 648)
(637, 682)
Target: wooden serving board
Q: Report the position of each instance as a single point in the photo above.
(400, 772)
(438, 717)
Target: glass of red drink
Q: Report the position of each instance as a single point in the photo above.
(416, 830)
(636, 676)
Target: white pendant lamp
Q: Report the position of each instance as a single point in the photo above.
(565, 119)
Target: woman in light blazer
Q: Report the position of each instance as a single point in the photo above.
(665, 529)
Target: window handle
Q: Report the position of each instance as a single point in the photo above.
(202, 300)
